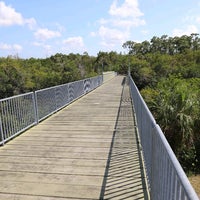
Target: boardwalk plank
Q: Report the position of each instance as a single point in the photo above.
(59, 161)
(50, 178)
(54, 190)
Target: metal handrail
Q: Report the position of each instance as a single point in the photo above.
(18, 113)
(166, 178)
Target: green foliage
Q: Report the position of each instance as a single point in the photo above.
(164, 45)
(142, 73)
(176, 108)
(24, 75)
(11, 80)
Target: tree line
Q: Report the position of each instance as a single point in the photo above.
(165, 69)
(165, 45)
(23, 75)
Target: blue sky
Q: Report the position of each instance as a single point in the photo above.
(41, 28)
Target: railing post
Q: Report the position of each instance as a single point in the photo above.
(56, 99)
(152, 190)
(1, 131)
(35, 105)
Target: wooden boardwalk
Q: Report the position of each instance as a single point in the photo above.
(88, 150)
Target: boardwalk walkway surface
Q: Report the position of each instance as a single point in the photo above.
(88, 150)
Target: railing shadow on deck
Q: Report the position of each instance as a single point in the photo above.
(124, 177)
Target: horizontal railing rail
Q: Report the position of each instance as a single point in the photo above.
(166, 178)
(20, 112)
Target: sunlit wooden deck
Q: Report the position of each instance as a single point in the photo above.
(88, 150)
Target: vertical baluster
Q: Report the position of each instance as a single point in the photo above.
(1, 125)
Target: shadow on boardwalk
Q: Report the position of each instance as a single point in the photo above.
(124, 177)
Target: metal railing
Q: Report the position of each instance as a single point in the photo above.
(20, 112)
(16, 115)
(166, 178)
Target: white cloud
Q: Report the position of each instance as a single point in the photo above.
(128, 9)
(74, 42)
(127, 15)
(45, 34)
(111, 37)
(10, 47)
(9, 17)
(187, 31)
(31, 23)
(116, 29)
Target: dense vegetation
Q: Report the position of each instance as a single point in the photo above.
(23, 75)
(165, 69)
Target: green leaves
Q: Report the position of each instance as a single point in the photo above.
(24, 75)
(164, 45)
(11, 80)
(175, 105)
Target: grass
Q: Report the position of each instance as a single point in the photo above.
(195, 181)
